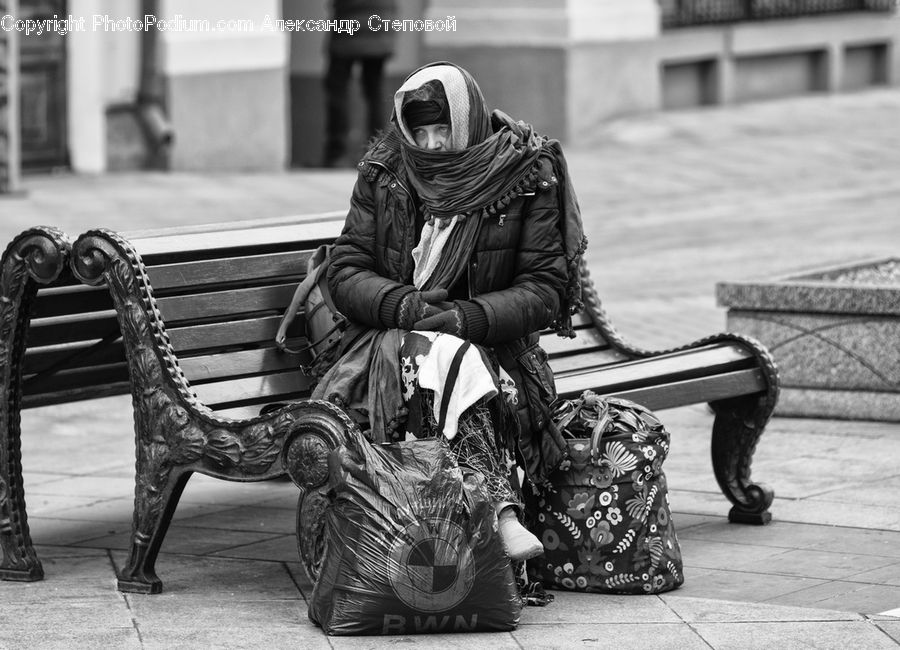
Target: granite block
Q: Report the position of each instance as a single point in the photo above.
(812, 297)
(868, 287)
(834, 333)
(827, 351)
(839, 404)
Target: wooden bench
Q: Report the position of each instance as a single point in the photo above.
(186, 324)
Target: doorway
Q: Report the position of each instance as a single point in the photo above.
(43, 90)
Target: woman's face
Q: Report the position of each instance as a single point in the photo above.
(433, 137)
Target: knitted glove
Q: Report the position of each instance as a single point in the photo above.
(417, 305)
(463, 318)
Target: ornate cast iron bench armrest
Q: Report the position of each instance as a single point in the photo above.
(36, 257)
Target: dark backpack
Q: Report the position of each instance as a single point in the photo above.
(324, 324)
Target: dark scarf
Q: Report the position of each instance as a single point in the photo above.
(479, 181)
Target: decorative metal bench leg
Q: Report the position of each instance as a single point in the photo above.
(738, 425)
(19, 561)
(311, 529)
(321, 430)
(37, 256)
(154, 506)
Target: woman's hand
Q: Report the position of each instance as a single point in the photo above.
(417, 305)
(463, 318)
(449, 321)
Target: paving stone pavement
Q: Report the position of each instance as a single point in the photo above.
(672, 203)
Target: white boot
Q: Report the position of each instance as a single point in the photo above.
(518, 542)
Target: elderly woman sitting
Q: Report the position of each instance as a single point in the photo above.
(462, 242)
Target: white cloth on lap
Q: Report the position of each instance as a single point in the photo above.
(474, 380)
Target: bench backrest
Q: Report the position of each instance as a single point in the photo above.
(222, 293)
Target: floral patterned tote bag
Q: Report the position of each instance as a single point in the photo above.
(604, 517)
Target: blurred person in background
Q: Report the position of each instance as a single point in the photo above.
(370, 49)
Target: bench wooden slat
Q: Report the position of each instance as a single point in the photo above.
(77, 354)
(240, 224)
(62, 329)
(71, 338)
(208, 367)
(289, 264)
(75, 394)
(155, 249)
(240, 412)
(253, 331)
(592, 359)
(217, 304)
(709, 360)
(691, 391)
(586, 339)
(262, 389)
(89, 378)
(71, 299)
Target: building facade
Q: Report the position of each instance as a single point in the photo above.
(222, 85)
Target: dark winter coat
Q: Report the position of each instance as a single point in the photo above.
(516, 273)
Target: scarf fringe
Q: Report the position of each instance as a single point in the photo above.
(573, 301)
(527, 183)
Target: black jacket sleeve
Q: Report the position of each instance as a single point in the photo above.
(358, 290)
(532, 301)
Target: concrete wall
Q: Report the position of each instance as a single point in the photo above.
(102, 70)
(254, 100)
(752, 61)
(563, 65)
(608, 58)
(227, 91)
